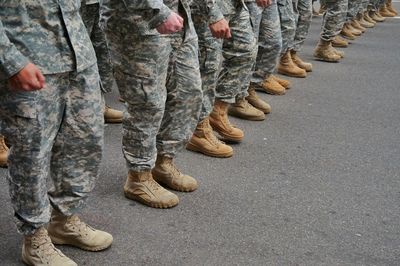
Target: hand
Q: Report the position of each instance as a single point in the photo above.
(264, 3)
(220, 29)
(174, 23)
(30, 78)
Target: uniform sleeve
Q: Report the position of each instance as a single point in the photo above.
(214, 13)
(160, 11)
(11, 60)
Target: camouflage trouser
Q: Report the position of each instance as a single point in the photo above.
(91, 15)
(239, 53)
(230, 81)
(376, 4)
(364, 6)
(267, 27)
(303, 11)
(334, 18)
(159, 78)
(288, 24)
(353, 9)
(56, 132)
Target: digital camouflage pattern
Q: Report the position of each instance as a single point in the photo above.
(158, 76)
(303, 12)
(353, 9)
(333, 19)
(269, 41)
(238, 53)
(288, 24)
(17, 46)
(58, 130)
(90, 13)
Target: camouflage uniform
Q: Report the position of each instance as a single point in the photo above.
(268, 30)
(158, 76)
(288, 24)
(239, 52)
(58, 130)
(333, 19)
(90, 13)
(353, 9)
(303, 11)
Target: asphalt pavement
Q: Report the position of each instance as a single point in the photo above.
(317, 183)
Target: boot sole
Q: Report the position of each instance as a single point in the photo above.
(250, 118)
(112, 121)
(273, 92)
(194, 148)
(150, 204)
(174, 188)
(226, 137)
(292, 75)
(58, 241)
(326, 60)
(339, 46)
(3, 164)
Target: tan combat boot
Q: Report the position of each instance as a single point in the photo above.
(390, 8)
(378, 17)
(347, 33)
(354, 31)
(299, 62)
(3, 152)
(37, 250)
(287, 67)
(257, 102)
(219, 122)
(324, 52)
(204, 141)
(70, 230)
(271, 86)
(356, 25)
(338, 52)
(368, 18)
(112, 115)
(141, 187)
(242, 109)
(283, 82)
(340, 42)
(363, 22)
(384, 11)
(166, 173)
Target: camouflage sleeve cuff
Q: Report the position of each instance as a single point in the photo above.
(11, 60)
(214, 15)
(160, 16)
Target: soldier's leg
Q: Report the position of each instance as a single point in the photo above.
(332, 24)
(77, 148)
(288, 27)
(182, 110)
(75, 162)
(304, 17)
(269, 50)
(304, 8)
(30, 121)
(210, 55)
(240, 54)
(141, 63)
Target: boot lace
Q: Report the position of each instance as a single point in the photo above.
(76, 225)
(45, 247)
(3, 146)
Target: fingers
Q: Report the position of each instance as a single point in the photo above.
(41, 79)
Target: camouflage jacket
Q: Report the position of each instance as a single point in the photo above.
(143, 15)
(48, 33)
(208, 8)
